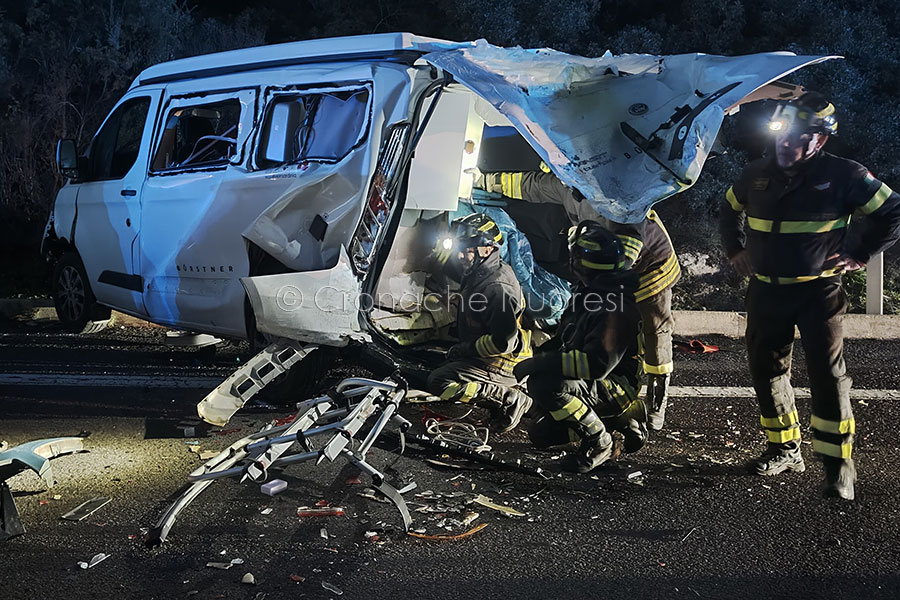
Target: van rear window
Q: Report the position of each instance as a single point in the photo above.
(197, 136)
(320, 127)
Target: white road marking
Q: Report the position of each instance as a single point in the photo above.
(207, 382)
(747, 392)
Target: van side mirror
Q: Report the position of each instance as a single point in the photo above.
(279, 134)
(67, 159)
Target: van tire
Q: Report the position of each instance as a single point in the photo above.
(76, 307)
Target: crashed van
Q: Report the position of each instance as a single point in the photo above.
(296, 190)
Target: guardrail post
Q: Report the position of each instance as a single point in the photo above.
(875, 285)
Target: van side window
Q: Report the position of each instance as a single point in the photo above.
(323, 127)
(116, 145)
(198, 136)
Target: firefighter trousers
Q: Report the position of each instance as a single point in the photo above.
(576, 408)
(816, 308)
(657, 327)
(473, 380)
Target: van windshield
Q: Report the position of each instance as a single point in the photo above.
(324, 127)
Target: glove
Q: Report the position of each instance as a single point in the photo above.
(460, 350)
(523, 369)
(477, 177)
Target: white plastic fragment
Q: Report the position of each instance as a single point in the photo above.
(96, 560)
(249, 579)
(276, 486)
(334, 590)
(323, 533)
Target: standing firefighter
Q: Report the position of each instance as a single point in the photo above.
(479, 369)
(586, 379)
(798, 205)
(648, 251)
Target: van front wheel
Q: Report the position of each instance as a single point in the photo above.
(76, 308)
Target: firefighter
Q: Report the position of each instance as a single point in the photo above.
(797, 204)
(479, 369)
(648, 251)
(586, 379)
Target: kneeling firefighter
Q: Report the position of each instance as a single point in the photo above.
(479, 369)
(586, 380)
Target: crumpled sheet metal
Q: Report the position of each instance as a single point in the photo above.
(571, 109)
(36, 456)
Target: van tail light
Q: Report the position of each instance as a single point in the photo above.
(380, 200)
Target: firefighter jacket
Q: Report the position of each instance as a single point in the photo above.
(598, 336)
(796, 223)
(490, 311)
(648, 248)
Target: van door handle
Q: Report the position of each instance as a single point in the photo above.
(129, 192)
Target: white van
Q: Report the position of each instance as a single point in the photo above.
(271, 189)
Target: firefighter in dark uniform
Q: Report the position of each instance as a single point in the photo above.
(797, 205)
(648, 251)
(586, 379)
(479, 369)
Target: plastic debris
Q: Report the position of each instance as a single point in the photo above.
(371, 496)
(249, 579)
(276, 486)
(96, 560)
(506, 510)
(237, 561)
(325, 511)
(333, 589)
(207, 454)
(469, 518)
(266, 511)
(323, 533)
(220, 565)
(459, 536)
(86, 509)
(695, 347)
(298, 578)
(635, 474)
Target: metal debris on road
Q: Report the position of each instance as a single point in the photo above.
(86, 509)
(96, 560)
(459, 536)
(506, 510)
(688, 534)
(351, 416)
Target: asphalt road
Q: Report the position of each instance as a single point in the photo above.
(690, 525)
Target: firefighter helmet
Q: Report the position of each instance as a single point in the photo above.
(470, 231)
(592, 246)
(477, 229)
(811, 113)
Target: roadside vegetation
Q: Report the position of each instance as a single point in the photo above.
(63, 63)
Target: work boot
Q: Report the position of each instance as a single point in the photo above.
(778, 458)
(593, 452)
(515, 405)
(632, 424)
(840, 475)
(657, 399)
